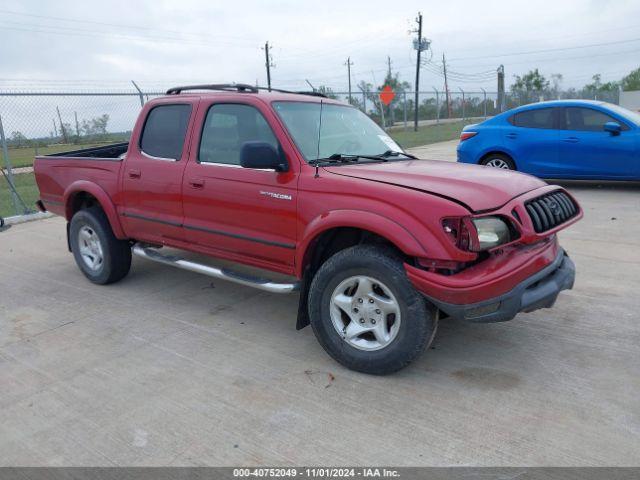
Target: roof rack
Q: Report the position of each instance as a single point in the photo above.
(237, 87)
(229, 87)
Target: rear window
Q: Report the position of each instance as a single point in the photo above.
(165, 130)
(538, 118)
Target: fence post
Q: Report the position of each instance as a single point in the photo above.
(404, 108)
(484, 102)
(437, 104)
(463, 110)
(139, 93)
(7, 162)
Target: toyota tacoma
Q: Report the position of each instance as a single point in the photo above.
(314, 197)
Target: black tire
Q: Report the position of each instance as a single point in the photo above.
(419, 319)
(116, 254)
(499, 156)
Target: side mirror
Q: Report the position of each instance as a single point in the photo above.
(614, 128)
(262, 155)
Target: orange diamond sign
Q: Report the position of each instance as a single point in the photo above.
(387, 95)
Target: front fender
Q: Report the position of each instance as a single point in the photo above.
(362, 219)
(101, 196)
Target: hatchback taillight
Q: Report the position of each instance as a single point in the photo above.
(467, 135)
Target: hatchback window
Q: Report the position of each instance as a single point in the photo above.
(537, 118)
(165, 130)
(227, 127)
(587, 119)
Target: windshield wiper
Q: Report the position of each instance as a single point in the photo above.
(394, 153)
(344, 158)
(335, 158)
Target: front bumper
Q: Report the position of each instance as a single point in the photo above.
(538, 291)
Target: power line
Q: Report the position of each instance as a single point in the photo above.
(73, 31)
(548, 50)
(117, 25)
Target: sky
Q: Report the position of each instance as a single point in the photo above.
(104, 44)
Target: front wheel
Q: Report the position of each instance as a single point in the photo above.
(366, 314)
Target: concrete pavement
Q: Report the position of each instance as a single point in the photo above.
(436, 151)
(170, 368)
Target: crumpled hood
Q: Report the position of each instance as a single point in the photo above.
(479, 188)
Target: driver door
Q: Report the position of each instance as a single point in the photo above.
(588, 151)
(239, 213)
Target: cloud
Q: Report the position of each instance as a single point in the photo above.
(164, 42)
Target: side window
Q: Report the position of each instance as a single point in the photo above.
(537, 118)
(226, 128)
(587, 119)
(165, 130)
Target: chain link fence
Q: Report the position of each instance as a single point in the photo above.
(39, 123)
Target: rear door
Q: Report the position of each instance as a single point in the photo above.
(588, 151)
(533, 137)
(151, 204)
(240, 213)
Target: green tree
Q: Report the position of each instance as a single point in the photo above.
(398, 86)
(597, 86)
(533, 81)
(96, 127)
(326, 91)
(17, 139)
(631, 81)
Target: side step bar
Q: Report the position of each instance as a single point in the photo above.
(260, 283)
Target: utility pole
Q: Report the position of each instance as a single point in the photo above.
(55, 128)
(62, 129)
(446, 85)
(500, 88)
(390, 111)
(348, 64)
(75, 114)
(418, 47)
(268, 64)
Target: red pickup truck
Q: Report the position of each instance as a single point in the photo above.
(316, 197)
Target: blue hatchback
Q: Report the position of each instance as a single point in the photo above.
(572, 139)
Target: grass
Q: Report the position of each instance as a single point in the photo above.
(26, 185)
(429, 134)
(23, 157)
(27, 189)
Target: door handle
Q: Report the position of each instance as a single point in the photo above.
(511, 135)
(571, 139)
(196, 183)
(135, 173)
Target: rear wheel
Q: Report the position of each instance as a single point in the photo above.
(498, 160)
(98, 253)
(365, 312)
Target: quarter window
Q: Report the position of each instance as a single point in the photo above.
(227, 127)
(537, 118)
(165, 130)
(587, 119)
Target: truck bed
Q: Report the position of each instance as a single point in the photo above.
(112, 151)
(56, 172)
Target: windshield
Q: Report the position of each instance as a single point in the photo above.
(630, 115)
(321, 130)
